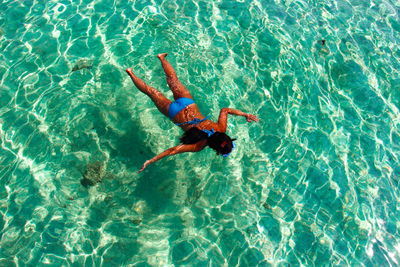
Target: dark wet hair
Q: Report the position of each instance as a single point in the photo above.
(221, 143)
(218, 141)
(193, 135)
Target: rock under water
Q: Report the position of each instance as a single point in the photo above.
(94, 174)
(83, 63)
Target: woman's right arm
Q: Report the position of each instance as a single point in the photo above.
(173, 151)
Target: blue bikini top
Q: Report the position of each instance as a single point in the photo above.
(209, 133)
(194, 122)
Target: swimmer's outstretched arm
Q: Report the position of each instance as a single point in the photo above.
(175, 150)
(223, 117)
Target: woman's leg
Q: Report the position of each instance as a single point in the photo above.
(158, 98)
(177, 88)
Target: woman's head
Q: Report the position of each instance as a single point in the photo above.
(218, 141)
(221, 143)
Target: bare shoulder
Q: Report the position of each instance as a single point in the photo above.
(201, 145)
(191, 147)
(208, 125)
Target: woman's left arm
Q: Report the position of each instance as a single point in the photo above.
(223, 117)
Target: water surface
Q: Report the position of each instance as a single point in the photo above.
(315, 182)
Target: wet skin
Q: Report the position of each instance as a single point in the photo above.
(187, 114)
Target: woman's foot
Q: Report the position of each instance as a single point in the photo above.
(162, 55)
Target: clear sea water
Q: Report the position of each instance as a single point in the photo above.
(315, 182)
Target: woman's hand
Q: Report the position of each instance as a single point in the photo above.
(144, 166)
(250, 117)
(175, 150)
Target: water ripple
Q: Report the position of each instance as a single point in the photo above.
(315, 181)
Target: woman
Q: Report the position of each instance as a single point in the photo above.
(199, 131)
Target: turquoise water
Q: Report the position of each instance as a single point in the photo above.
(315, 182)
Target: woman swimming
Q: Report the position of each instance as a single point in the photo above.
(199, 131)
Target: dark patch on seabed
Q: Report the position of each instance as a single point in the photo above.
(94, 174)
(82, 63)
